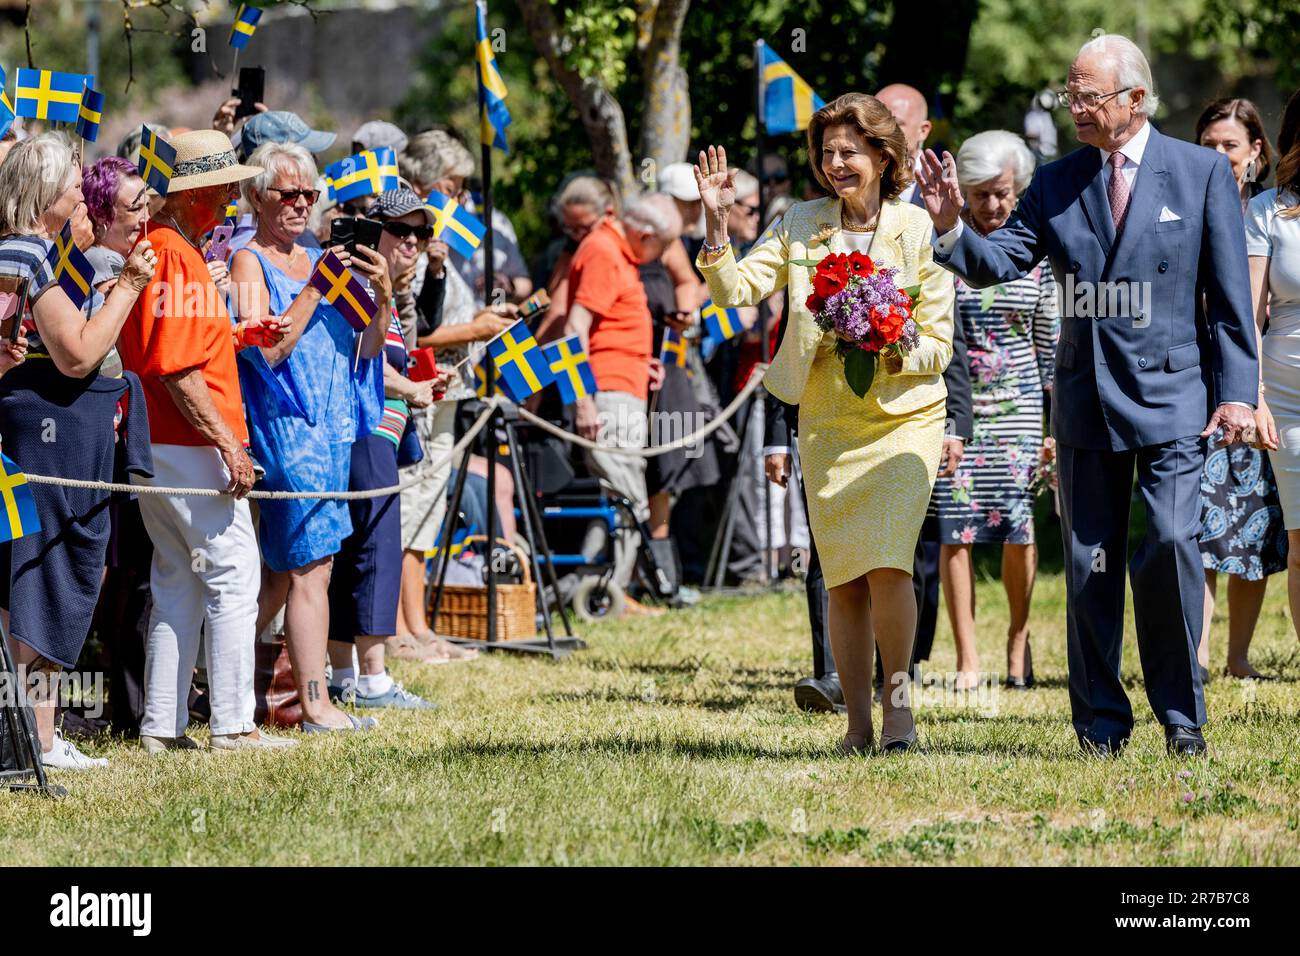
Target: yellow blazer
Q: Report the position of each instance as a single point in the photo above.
(811, 230)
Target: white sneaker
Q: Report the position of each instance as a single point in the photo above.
(65, 756)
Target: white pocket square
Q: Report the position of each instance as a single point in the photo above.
(1168, 215)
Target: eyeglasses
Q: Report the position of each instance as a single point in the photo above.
(355, 209)
(289, 197)
(402, 230)
(749, 210)
(1089, 101)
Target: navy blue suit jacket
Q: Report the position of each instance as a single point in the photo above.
(1184, 343)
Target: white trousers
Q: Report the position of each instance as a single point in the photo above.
(205, 580)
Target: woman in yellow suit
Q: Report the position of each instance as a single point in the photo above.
(868, 463)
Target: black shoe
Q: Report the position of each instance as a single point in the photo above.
(1102, 748)
(821, 694)
(1184, 742)
(1205, 675)
(1026, 682)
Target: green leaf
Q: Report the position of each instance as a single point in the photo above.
(859, 370)
(914, 291)
(805, 262)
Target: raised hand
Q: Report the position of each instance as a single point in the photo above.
(717, 183)
(937, 181)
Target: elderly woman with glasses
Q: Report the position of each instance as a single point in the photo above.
(1011, 333)
(308, 397)
(60, 416)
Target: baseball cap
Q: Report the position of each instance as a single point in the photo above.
(282, 126)
(377, 133)
(678, 181)
(395, 203)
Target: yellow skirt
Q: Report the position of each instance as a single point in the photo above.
(868, 474)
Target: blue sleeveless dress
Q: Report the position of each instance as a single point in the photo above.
(303, 416)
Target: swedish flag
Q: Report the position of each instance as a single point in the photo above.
(232, 210)
(672, 351)
(245, 23)
(71, 268)
(573, 374)
(788, 101)
(454, 224)
(480, 377)
(20, 503)
(520, 361)
(7, 113)
(367, 173)
(156, 159)
(48, 95)
(494, 116)
(90, 114)
(720, 324)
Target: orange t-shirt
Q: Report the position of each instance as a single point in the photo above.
(180, 322)
(605, 281)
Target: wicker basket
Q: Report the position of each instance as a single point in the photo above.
(464, 609)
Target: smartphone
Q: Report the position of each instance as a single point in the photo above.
(251, 90)
(342, 233)
(13, 303)
(535, 304)
(220, 247)
(366, 232)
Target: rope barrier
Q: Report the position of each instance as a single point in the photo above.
(427, 466)
(726, 414)
(424, 469)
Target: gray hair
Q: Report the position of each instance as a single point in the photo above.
(32, 178)
(746, 183)
(1131, 67)
(276, 158)
(656, 212)
(590, 191)
(434, 155)
(987, 155)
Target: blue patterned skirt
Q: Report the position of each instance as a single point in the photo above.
(1242, 531)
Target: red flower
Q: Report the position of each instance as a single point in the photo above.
(832, 275)
(814, 303)
(889, 324)
(860, 264)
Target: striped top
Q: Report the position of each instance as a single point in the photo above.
(393, 422)
(28, 256)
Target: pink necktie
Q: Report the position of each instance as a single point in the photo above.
(1117, 191)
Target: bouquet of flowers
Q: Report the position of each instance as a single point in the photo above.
(868, 313)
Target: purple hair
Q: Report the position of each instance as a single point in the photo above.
(100, 183)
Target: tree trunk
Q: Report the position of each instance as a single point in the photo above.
(600, 112)
(666, 113)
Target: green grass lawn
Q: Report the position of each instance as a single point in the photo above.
(675, 741)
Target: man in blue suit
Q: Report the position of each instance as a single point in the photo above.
(1144, 234)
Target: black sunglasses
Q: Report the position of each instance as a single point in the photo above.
(401, 230)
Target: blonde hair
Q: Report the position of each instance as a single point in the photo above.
(32, 178)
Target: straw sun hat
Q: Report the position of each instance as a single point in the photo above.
(204, 157)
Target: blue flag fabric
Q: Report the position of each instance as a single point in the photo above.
(572, 370)
(520, 362)
(21, 517)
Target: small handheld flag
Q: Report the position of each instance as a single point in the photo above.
(480, 377)
(520, 362)
(244, 26)
(342, 290)
(672, 351)
(157, 157)
(49, 95)
(71, 268)
(232, 210)
(366, 173)
(788, 101)
(90, 114)
(20, 503)
(572, 370)
(494, 116)
(720, 324)
(7, 113)
(454, 224)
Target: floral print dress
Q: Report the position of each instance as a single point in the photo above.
(1011, 332)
